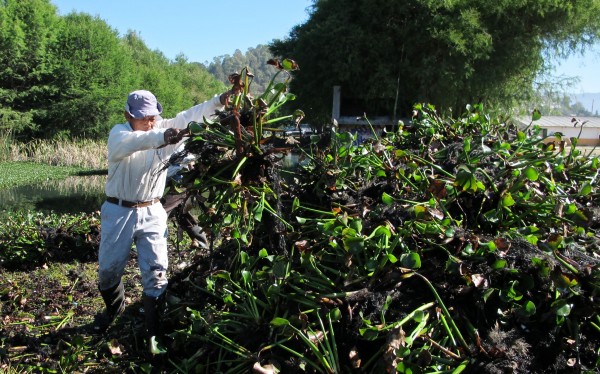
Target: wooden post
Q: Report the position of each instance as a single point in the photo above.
(337, 93)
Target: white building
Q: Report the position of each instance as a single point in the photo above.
(587, 129)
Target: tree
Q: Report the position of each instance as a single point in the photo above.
(197, 83)
(388, 54)
(27, 28)
(552, 101)
(69, 76)
(254, 58)
(94, 69)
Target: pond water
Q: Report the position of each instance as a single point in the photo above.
(71, 195)
(77, 194)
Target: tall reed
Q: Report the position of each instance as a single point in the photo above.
(6, 146)
(84, 153)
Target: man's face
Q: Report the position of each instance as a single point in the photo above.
(142, 124)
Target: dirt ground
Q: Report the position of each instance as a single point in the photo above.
(48, 311)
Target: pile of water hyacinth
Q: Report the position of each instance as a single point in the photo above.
(439, 245)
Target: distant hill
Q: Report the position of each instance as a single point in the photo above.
(254, 58)
(591, 101)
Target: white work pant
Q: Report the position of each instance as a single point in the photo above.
(147, 228)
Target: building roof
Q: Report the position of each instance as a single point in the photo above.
(561, 121)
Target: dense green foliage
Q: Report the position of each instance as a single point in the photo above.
(28, 239)
(27, 29)
(69, 76)
(425, 249)
(64, 76)
(19, 173)
(388, 55)
(428, 249)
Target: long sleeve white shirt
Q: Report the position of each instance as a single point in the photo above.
(135, 165)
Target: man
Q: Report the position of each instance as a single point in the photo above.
(132, 212)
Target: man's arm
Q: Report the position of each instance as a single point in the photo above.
(122, 141)
(196, 113)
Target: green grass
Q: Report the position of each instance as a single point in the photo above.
(21, 173)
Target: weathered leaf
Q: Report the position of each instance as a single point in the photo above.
(438, 189)
(563, 308)
(528, 308)
(258, 211)
(418, 316)
(420, 211)
(467, 145)
(502, 244)
(155, 348)
(466, 179)
(354, 244)
(289, 64)
(114, 347)
(195, 128)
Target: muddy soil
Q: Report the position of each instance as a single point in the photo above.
(47, 314)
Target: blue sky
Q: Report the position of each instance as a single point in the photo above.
(586, 67)
(202, 30)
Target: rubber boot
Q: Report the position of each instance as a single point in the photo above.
(198, 236)
(152, 310)
(195, 232)
(114, 299)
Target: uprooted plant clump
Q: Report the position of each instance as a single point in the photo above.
(441, 245)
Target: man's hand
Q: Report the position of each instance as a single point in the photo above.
(172, 136)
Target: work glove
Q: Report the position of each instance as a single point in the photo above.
(174, 136)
